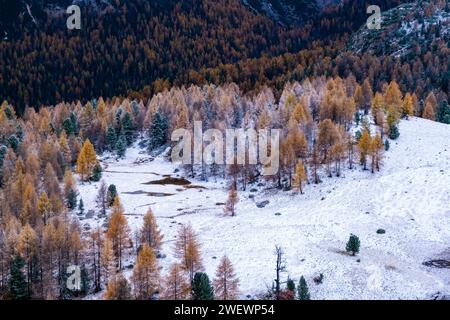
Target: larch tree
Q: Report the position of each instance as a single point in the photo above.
(188, 251)
(70, 190)
(27, 247)
(107, 261)
(328, 136)
(364, 146)
(300, 176)
(176, 286)
(315, 163)
(145, 274)
(428, 112)
(376, 152)
(226, 284)
(52, 187)
(95, 245)
(233, 199)
(408, 105)
(393, 97)
(118, 231)
(44, 207)
(150, 233)
(118, 289)
(102, 198)
(87, 160)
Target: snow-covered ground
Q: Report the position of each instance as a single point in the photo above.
(409, 198)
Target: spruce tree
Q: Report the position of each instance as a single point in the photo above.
(17, 283)
(158, 131)
(13, 142)
(81, 207)
(353, 245)
(290, 284)
(443, 112)
(201, 287)
(302, 290)
(121, 147)
(394, 133)
(96, 173)
(111, 139)
(127, 128)
(111, 195)
(71, 199)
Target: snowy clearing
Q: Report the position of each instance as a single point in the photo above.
(409, 198)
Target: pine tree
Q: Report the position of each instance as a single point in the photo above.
(303, 291)
(158, 131)
(353, 245)
(187, 250)
(201, 287)
(176, 286)
(111, 195)
(71, 199)
(226, 284)
(230, 206)
(121, 147)
(150, 233)
(145, 274)
(127, 128)
(443, 113)
(96, 173)
(81, 207)
(17, 282)
(300, 176)
(111, 139)
(118, 231)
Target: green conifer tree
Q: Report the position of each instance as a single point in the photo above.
(303, 291)
(17, 282)
(201, 287)
(353, 245)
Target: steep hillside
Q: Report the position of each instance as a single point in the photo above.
(286, 12)
(408, 28)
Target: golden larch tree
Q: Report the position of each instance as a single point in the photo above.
(118, 231)
(187, 249)
(44, 207)
(376, 152)
(300, 176)
(150, 232)
(226, 284)
(233, 199)
(145, 274)
(364, 146)
(176, 286)
(428, 112)
(87, 160)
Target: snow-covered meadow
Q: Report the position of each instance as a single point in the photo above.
(409, 199)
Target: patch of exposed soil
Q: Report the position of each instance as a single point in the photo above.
(170, 181)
